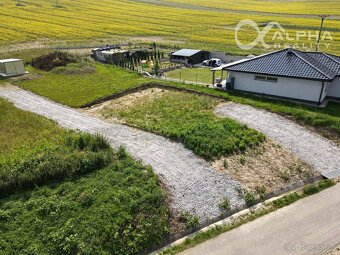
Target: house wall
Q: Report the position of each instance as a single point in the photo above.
(2, 68)
(334, 88)
(308, 90)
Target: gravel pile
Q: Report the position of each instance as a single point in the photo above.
(317, 151)
(193, 184)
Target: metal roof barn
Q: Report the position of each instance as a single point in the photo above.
(189, 56)
(11, 67)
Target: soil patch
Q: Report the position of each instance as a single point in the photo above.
(269, 165)
(104, 110)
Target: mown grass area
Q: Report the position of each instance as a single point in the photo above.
(253, 215)
(76, 89)
(199, 75)
(63, 192)
(189, 119)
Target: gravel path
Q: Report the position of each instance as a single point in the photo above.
(194, 185)
(319, 152)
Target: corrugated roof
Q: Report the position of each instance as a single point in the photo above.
(185, 52)
(292, 63)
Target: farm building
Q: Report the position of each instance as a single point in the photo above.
(106, 54)
(11, 67)
(288, 73)
(189, 57)
(116, 55)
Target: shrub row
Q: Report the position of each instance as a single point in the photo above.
(82, 153)
(52, 60)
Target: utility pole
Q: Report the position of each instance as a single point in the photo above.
(320, 31)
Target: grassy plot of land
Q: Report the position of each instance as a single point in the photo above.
(187, 118)
(199, 75)
(325, 121)
(35, 150)
(23, 133)
(76, 88)
(117, 210)
(63, 192)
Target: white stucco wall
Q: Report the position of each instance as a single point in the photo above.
(285, 87)
(334, 88)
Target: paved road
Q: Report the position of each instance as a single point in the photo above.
(319, 152)
(193, 184)
(309, 226)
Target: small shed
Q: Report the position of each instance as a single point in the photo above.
(189, 56)
(11, 67)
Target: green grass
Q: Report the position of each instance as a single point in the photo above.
(270, 207)
(35, 150)
(76, 90)
(23, 133)
(190, 119)
(63, 192)
(117, 210)
(326, 121)
(200, 75)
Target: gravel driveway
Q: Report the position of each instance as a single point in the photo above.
(193, 184)
(319, 152)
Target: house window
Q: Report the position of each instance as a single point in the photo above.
(260, 77)
(271, 79)
(265, 78)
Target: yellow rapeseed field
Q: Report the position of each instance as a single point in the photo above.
(206, 24)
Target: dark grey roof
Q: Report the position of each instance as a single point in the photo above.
(185, 52)
(292, 63)
(332, 62)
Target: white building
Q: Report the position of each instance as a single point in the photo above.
(288, 73)
(11, 67)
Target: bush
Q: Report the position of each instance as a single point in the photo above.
(190, 221)
(249, 198)
(225, 204)
(261, 191)
(52, 60)
(324, 184)
(310, 189)
(286, 200)
(313, 189)
(83, 153)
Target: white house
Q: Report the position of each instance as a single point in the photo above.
(288, 73)
(11, 67)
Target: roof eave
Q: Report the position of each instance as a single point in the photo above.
(281, 75)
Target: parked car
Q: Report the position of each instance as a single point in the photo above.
(214, 62)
